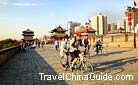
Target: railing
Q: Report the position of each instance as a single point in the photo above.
(7, 53)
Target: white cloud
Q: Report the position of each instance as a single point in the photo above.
(25, 4)
(15, 3)
(5, 2)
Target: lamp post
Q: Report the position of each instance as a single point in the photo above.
(133, 9)
(130, 23)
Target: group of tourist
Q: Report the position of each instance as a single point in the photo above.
(24, 46)
(39, 44)
(73, 46)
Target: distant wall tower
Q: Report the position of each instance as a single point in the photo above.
(28, 35)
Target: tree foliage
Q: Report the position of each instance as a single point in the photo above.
(7, 43)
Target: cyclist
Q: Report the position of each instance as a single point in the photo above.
(86, 43)
(75, 53)
(64, 51)
(98, 44)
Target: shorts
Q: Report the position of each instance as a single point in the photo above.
(74, 54)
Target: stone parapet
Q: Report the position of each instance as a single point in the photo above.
(7, 53)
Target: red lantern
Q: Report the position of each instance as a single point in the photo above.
(129, 18)
(129, 23)
(129, 14)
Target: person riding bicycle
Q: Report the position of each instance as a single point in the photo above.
(98, 44)
(75, 53)
(64, 49)
(86, 43)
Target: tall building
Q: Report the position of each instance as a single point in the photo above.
(99, 23)
(109, 28)
(112, 26)
(121, 24)
(71, 27)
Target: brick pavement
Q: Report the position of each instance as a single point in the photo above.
(24, 68)
(119, 61)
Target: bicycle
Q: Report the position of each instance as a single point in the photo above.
(102, 50)
(84, 66)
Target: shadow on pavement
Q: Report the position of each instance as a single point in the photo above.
(24, 69)
(110, 53)
(110, 66)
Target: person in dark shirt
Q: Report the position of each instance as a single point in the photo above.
(98, 44)
(74, 49)
(39, 44)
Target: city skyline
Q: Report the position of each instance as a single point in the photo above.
(44, 15)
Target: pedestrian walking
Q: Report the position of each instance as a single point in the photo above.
(56, 44)
(38, 44)
(43, 43)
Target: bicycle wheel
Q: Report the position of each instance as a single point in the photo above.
(61, 60)
(92, 51)
(88, 54)
(87, 68)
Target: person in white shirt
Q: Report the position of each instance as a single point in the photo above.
(64, 51)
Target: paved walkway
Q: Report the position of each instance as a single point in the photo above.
(24, 68)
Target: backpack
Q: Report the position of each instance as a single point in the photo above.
(80, 41)
(73, 44)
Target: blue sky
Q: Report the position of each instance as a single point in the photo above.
(43, 15)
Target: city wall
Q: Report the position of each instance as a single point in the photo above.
(7, 53)
(118, 40)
